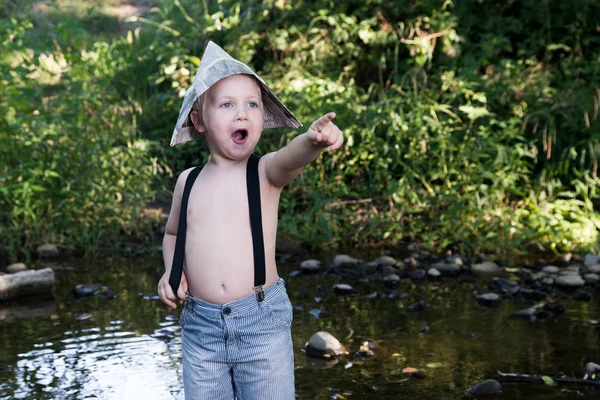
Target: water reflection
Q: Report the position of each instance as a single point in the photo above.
(107, 362)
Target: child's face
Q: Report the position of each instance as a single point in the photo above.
(233, 117)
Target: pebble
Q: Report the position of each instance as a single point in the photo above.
(17, 267)
(489, 386)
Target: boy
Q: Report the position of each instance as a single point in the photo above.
(236, 337)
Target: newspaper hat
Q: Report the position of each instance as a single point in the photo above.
(216, 64)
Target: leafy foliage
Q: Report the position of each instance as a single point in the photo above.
(471, 126)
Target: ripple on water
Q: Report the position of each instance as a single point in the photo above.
(105, 363)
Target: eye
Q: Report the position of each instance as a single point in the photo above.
(226, 105)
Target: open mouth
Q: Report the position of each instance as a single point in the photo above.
(240, 136)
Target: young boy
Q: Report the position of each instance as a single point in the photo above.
(236, 337)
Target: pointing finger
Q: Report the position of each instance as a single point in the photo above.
(323, 121)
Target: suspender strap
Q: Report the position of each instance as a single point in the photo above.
(254, 206)
(177, 266)
(258, 246)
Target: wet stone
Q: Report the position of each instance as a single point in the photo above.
(487, 268)
(529, 294)
(17, 267)
(591, 278)
(417, 274)
(420, 305)
(570, 280)
(434, 273)
(388, 270)
(551, 269)
(594, 269)
(502, 283)
(488, 299)
(446, 268)
(457, 260)
(591, 259)
(583, 295)
(487, 387)
(87, 290)
(310, 266)
(391, 280)
(324, 343)
(343, 289)
(344, 260)
(47, 250)
(549, 281)
(385, 260)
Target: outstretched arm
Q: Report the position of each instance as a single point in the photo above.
(285, 164)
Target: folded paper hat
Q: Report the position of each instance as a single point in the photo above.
(216, 64)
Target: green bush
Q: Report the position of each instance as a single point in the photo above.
(471, 126)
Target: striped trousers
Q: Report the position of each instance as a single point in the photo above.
(240, 350)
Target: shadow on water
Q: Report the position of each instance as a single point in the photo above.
(129, 346)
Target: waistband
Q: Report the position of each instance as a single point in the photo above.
(237, 307)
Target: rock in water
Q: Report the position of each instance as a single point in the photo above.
(486, 387)
(47, 250)
(17, 267)
(344, 260)
(310, 266)
(488, 299)
(570, 281)
(324, 344)
(487, 268)
(24, 283)
(342, 289)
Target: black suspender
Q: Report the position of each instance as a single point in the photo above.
(258, 246)
(254, 206)
(177, 266)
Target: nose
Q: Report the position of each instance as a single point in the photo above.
(241, 113)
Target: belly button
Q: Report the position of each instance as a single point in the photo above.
(223, 286)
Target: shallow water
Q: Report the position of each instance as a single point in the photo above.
(129, 347)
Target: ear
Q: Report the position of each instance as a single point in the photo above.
(195, 117)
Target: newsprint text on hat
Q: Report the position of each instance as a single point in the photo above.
(215, 65)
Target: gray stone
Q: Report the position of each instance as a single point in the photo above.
(486, 387)
(488, 268)
(47, 250)
(388, 270)
(538, 275)
(446, 268)
(417, 274)
(310, 266)
(488, 299)
(574, 268)
(391, 279)
(570, 281)
(591, 259)
(458, 260)
(17, 267)
(344, 260)
(594, 269)
(548, 281)
(551, 269)
(342, 288)
(591, 278)
(434, 273)
(385, 260)
(322, 343)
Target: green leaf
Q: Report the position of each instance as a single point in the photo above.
(435, 365)
(548, 381)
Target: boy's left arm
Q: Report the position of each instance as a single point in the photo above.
(286, 164)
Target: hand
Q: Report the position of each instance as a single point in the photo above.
(325, 133)
(166, 293)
